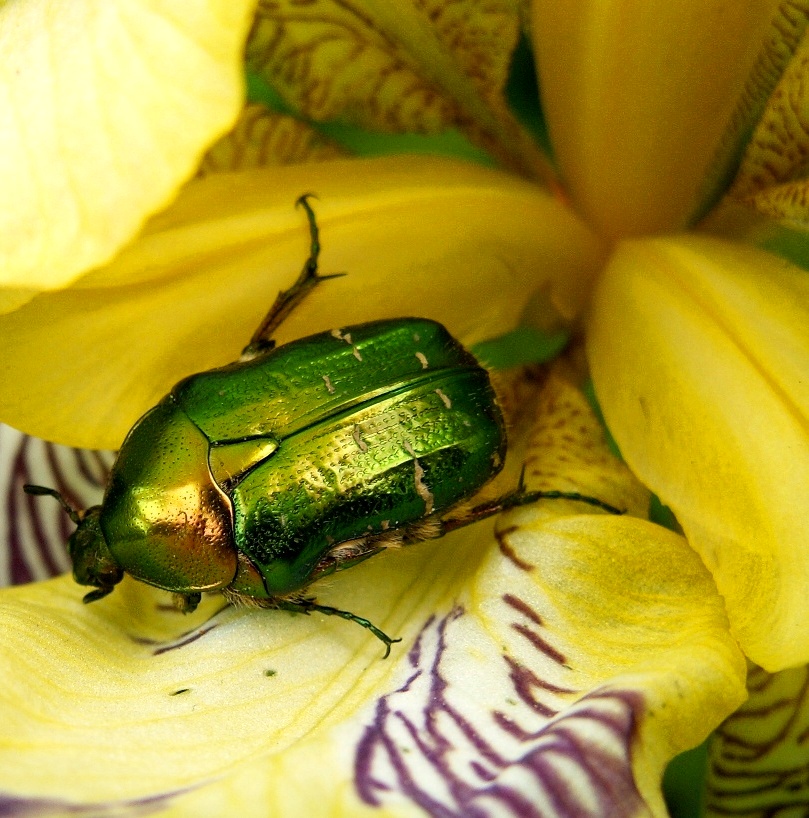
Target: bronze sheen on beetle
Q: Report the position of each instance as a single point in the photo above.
(260, 477)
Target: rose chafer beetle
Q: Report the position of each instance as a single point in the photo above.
(258, 478)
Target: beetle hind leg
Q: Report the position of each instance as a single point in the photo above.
(287, 300)
(307, 605)
(516, 498)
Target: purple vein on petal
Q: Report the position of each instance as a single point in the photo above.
(422, 747)
(12, 806)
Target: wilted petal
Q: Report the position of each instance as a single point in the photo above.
(759, 756)
(699, 353)
(104, 112)
(639, 96)
(424, 236)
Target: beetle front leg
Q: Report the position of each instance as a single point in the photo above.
(287, 300)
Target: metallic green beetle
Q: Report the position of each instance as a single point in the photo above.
(258, 478)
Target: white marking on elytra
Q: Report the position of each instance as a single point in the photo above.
(358, 440)
(328, 383)
(422, 489)
(385, 525)
(416, 337)
(444, 398)
(338, 334)
(423, 360)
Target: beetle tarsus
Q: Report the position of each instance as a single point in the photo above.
(96, 594)
(307, 606)
(521, 498)
(287, 300)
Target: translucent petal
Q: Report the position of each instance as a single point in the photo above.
(639, 95)
(399, 66)
(772, 175)
(759, 757)
(699, 352)
(415, 237)
(261, 137)
(104, 112)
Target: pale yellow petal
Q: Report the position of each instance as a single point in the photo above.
(130, 700)
(416, 236)
(104, 112)
(699, 353)
(759, 757)
(573, 663)
(638, 96)
(399, 66)
(569, 673)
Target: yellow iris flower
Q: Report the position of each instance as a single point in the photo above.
(556, 665)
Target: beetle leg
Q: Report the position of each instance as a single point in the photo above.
(306, 606)
(518, 497)
(186, 603)
(287, 300)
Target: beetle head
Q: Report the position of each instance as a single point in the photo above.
(93, 563)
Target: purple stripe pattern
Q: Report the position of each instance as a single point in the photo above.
(759, 757)
(34, 530)
(431, 745)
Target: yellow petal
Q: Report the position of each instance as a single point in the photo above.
(638, 96)
(104, 112)
(415, 236)
(399, 65)
(566, 451)
(758, 760)
(699, 353)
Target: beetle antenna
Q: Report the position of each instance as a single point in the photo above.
(39, 491)
(306, 606)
